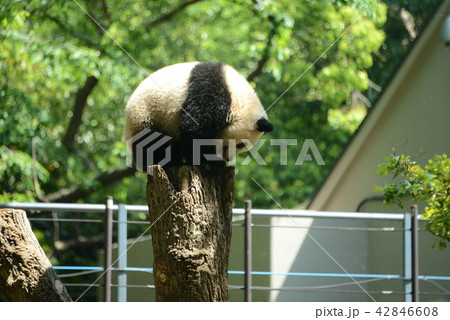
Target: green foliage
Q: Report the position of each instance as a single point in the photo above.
(347, 120)
(49, 49)
(16, 175)
(430, 184)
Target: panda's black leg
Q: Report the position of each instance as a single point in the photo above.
(182, 153)
(206, 156)
(214, 168)
(210, 162)
(176, 155)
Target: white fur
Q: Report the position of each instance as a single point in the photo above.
(158, 100)
(245, 110)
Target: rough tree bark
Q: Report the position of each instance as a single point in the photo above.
(25, 272)
(190, 215)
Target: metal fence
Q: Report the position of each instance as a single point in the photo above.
(410, 276)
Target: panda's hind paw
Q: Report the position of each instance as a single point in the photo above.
(214, 168)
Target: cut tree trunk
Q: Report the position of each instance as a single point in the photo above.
(25, 272)
(190, 216)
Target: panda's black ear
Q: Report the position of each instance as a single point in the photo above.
(263, 125)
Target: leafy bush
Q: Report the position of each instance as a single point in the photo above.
(430, 184)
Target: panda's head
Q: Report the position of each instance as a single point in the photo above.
(247, 119)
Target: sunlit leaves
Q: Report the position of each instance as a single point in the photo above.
(17, 174)
(348, 120)
(430, 184)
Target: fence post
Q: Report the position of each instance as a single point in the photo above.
(407, 258)
(411, 255)
(248, 251)
(415, 252)
(122, 254)
(107, 247)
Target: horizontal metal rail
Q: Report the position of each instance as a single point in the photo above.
(84, 207)
(74, 207)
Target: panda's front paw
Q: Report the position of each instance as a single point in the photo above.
(214, 168)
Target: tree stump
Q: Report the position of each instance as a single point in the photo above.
(190, 215)
(25, 272)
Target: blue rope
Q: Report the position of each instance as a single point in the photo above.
(268, 273)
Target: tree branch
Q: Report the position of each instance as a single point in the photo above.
(266, 53)
(105, 21)
(37, 187)
(259, 67)
(80, 103)
(105, 10)
(75, 34)
(171, 14)
(75, 193)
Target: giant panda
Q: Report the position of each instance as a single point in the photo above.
(197, 100)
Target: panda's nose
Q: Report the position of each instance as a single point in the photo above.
(263, 125)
